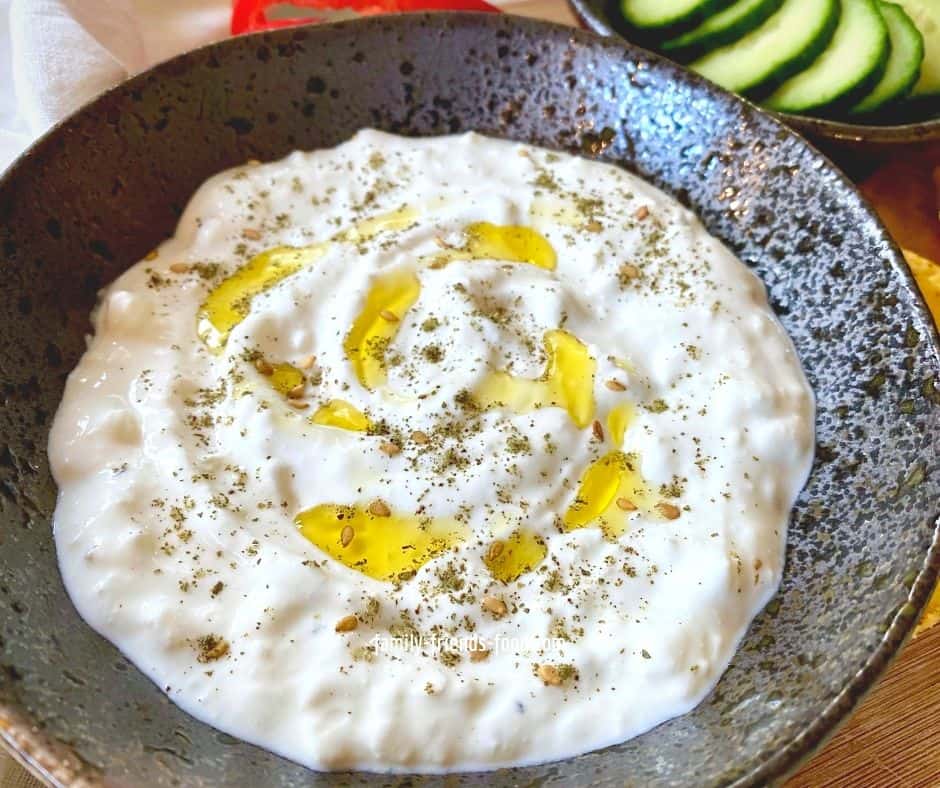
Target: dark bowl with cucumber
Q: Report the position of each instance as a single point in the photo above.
(861, 73)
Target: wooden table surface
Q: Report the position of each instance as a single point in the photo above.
(893, 738)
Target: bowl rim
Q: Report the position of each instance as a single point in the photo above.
(841, 131)
(56, 763)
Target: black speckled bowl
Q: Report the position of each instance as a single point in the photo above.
(107, 185)
(842, 138)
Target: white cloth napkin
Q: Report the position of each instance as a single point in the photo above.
(57, 54)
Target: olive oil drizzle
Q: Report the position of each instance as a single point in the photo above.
(389, 546)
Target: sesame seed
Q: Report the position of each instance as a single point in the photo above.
(495, 550)
(252, 162)
(346, 535)
(379, 508)
(153, 254)
(263, 367)
(251, 234)
(668, 510)
(419, 437)
(598, 430)
(307, 361)
(550, 675)
(179, 268)
(390, 448)
(626, 505)
(642, 212)
(629, 271)
(495, 606)
(297, 404)
(347, 624)
(297, 392)
(615, 385)
(388, 316)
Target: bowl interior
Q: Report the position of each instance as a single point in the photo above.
(105, 187)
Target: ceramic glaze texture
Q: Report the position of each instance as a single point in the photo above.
(109, 184)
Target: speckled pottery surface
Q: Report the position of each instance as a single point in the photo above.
(843, 139)
(106, 186)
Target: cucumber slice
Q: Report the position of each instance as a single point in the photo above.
(926, 16)
(785, 44)
(725, 27)
(903, 69)
(664, 16)
(853, 62)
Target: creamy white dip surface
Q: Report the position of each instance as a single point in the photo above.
(431, 454)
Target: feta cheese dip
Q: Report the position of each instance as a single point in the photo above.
(431, 455)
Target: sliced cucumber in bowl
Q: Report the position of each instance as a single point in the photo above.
(849, 67)
(926, 16)
(783, 45)
(903, 67)
(725, 27)
(659, 17)
(875, 62)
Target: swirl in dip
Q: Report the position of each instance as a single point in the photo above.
(431, 454)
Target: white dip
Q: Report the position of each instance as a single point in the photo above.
(514, 408)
